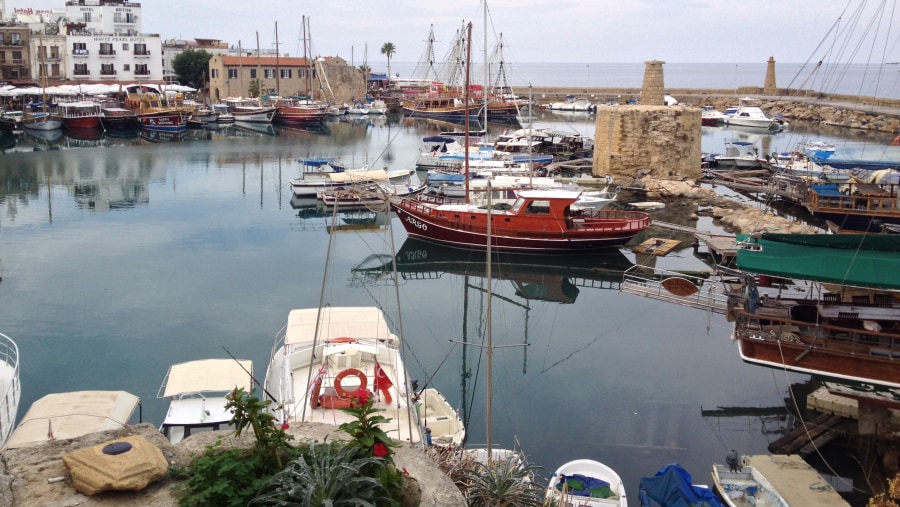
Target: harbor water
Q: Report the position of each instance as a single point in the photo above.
(122, 256)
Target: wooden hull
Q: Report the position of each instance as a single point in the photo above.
(294, 115)
(82, 122)
(163, 121)
(255, 116)
(48, 122)
(518, 234)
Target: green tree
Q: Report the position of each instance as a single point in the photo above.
(388, 50)
(254, 88)
(192, 67)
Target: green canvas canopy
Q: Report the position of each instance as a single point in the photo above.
(859, 260)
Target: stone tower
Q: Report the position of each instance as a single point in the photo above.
(769, 86)
(653, 92)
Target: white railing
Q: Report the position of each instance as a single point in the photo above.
(9, 403)
(675, 287)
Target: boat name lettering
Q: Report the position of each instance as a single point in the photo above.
(417, 255)
(418, 224)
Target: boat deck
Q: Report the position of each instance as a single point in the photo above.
(796, 481)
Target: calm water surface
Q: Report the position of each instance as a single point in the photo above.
(121, 257)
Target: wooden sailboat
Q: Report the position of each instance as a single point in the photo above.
(42, 120)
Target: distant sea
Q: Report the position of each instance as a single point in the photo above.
(845, 79)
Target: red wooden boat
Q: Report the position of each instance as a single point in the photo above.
(540, 221)
(82, 115)
(290, 111)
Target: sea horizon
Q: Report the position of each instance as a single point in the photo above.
(844, 79)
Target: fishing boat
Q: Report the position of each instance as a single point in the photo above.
(441, 422)
(117, 118)
(61, 416)
(539, 221)
(856, 206)
(37, 117)
(294, 111)
(155, 114)
(772, 481)
(326, 358)
(197, 390)
(250, 110)
(587, 483)
(820, 304)
(83, 115)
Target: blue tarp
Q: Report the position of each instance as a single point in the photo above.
(672, 486)
(583, 485)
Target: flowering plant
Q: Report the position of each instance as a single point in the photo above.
(368, 437)
(250, 411)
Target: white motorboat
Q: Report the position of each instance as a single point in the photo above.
(710, 116)
(587, 483)
(62, 416)
(358, 108)
(327, 358)
(377, 106)
(250, 110)
(740, 155)
(10, 387)
(197, 391)
(441, 422)
(749, 114)
(312, 183)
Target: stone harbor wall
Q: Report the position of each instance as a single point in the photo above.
(636, 141)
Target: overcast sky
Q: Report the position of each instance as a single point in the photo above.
(682, 31)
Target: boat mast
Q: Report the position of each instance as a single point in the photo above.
(277, 71)
(484, 91)
(489, 342)
(466, 100)
(258, 65)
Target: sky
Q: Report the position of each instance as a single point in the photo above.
(675, 31)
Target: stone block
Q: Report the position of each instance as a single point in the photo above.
(132, 469)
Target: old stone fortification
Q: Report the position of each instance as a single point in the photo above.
(660, 141)
(36, 476)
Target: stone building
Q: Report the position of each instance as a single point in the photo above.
(652, 139)
(330, 79)
(15, 54)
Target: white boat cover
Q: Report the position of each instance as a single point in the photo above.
(336, 322)
(68, 415)
(207, 376)
(358, 176)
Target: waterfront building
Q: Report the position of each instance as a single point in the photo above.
(174, 47)
(230, 76)
(105, 42)
(15, 54)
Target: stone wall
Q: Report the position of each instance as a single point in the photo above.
(636, 141)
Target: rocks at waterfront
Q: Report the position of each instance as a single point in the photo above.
(36, 476)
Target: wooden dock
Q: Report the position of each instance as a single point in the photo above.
(812, 434)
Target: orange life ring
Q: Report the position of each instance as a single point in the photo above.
(363, 382)
(342, 339)
(335, 401)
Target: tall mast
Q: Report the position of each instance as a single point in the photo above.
(489, 341)
(241, 68)
(484, 91)
(277, 70)
(466, 101)
(258, 65)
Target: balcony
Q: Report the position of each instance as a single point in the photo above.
(81, 72)
(80, 52)
(142, 54)
(141, 72)
(107, 52)
(107, 72)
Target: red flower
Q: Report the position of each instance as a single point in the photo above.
(285, 426)
(362, 396)
(380, 450)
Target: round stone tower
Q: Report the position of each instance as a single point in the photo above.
(769, 86)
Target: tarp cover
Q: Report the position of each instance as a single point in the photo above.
(859, 260)
(672, 486)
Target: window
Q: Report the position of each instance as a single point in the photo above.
(126, 67)
(285, 73)
(232, 74)
(124, 47)
(106, 48)
(538, 208)
(252, 73)
(270, 73)
(54, 52)
(214, 74)
(140, 69)
(302, 73)
(81, 69)
(16, 39)
(141, 49)
(107, 69)
(2, 57)
(17, 57)
(79, 48)
(87, 17)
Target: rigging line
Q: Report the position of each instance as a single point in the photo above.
(803, 423)
(441, 364)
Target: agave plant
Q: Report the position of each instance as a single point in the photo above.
(502, 483)
(330, 474)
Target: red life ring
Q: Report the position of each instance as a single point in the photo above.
(342, 339)
(363, 382)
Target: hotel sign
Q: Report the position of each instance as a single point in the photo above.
(28, 11)
(115, 38)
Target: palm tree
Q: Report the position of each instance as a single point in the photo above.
(388, 50)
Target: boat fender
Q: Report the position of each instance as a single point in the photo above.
(314, 395)
(343, 393)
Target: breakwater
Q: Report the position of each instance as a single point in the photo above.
(856, 112)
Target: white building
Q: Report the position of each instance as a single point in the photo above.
(105, 42)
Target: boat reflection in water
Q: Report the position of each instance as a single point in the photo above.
(554, 278)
